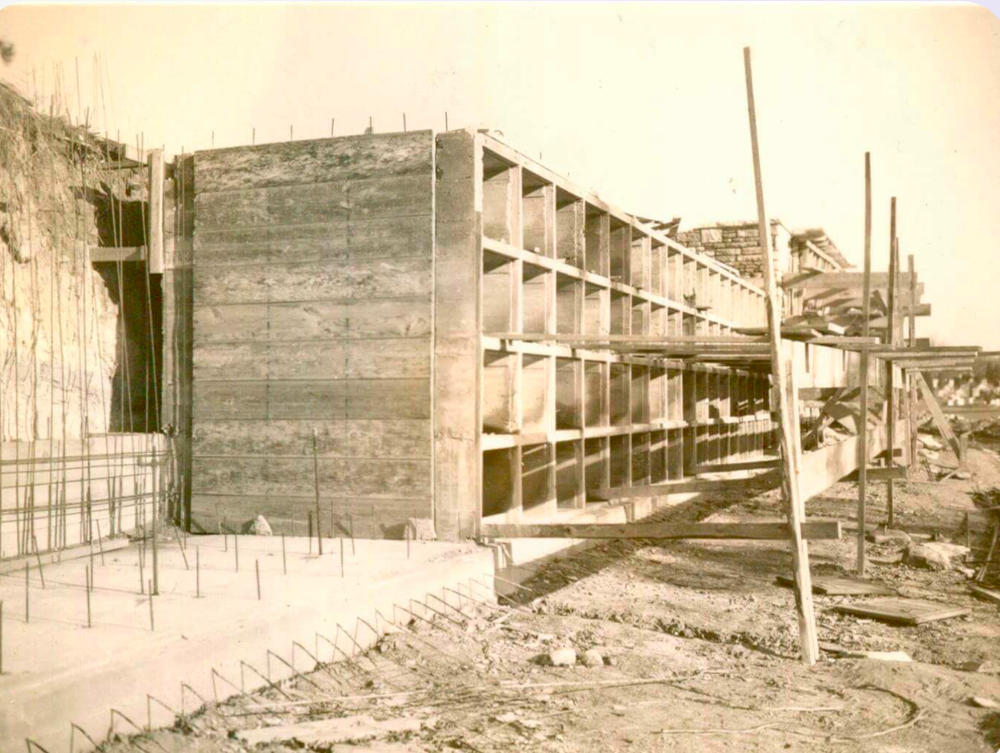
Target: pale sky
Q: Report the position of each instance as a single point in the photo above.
(643, 103)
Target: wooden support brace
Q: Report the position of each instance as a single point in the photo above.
(811, 529)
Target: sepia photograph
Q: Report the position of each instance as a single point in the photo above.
(487, 377)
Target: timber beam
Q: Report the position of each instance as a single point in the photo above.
(811, 529)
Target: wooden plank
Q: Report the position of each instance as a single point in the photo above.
(812, 529)
(861, 459)
(760, 482)
(154, 234)
(883, 474)
(104, 254)
(988, 594)
(972, 411)
(361, 199)
(940, 421)
(314, 161)
(842, 280)
(787, 403)
(365, 438)
(331, 280)
(902, 611)
(747, 465)
(333, 238)
(833, 585)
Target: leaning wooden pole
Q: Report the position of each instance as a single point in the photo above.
(911, 333)
(793, 501)
(866, 305)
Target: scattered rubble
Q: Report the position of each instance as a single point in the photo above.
(936, 555)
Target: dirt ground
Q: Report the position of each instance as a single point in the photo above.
(699, 649)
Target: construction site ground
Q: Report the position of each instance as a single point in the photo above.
(699, 647)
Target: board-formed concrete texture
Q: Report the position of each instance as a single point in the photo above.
(392, 293)
(57, 671)
(312, 290)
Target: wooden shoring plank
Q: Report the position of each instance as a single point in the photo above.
(155, 230)
(102, 254)
(940, 420)
(760, 482)
(748, 465)
(890, 372)
(882, 474)
(841, 280)
(902, 611)
(653, 339)
(811, 529)
(832, 585)
(933, 364)
(862, 444)
(789, 444)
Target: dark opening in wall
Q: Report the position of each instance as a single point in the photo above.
(135, 398)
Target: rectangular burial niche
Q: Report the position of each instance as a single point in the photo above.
(620, 244)
(597, 229)
(537, 478)
(570, 226)
(595, 459)
(499, 411)
(498, 294)
(569, 304)
(535, 393)
(569, 401)
(535, 299)
(537, 214)
(499, 198)
(498, 481)
(568, 477)
(595, 380)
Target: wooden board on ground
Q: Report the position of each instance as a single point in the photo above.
(835, 585)
(903, 611)
(812, 529)
(989, 594)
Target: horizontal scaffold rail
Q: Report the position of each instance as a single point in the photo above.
(811, 529)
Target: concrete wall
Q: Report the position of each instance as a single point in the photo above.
(312, 286)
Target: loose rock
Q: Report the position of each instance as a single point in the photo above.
(936, 555)
(562, 657)
(592, 658)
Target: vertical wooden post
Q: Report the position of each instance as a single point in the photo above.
(152, 625)
(155, 514)
(795, 508)
(256, 567)
(319, 529)
(862, 458)
(155, 232)
(890, 391)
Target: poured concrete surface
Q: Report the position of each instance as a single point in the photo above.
(57, 671)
